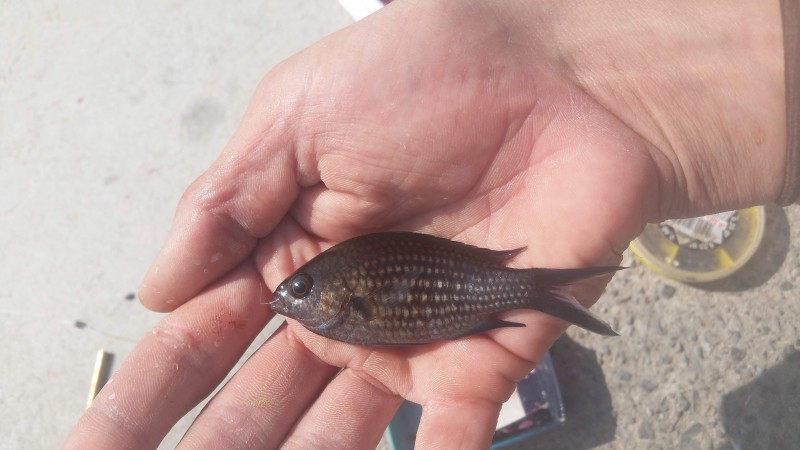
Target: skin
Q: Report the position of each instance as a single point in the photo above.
(561, 127)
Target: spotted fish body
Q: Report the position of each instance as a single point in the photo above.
(401, 288)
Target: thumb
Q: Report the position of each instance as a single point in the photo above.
(220, 217)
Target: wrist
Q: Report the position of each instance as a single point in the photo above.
(790, 21)
(703, 84)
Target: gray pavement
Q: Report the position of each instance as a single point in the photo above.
(713, 366)
(108, 110)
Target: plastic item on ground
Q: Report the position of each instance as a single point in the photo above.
(534, 408)
(701, 249)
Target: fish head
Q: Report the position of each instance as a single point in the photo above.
(310, 296)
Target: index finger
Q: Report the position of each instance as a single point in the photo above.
(174, 367)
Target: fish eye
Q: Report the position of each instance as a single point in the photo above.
(300, 285)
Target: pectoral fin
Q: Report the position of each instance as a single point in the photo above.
(363, 308)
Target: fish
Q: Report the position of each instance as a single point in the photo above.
(396, 289)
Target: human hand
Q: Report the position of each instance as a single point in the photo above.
(503, 134)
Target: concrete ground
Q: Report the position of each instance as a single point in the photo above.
(109, 109)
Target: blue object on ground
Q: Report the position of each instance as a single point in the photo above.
(538, 394)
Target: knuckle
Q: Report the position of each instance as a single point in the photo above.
(182, 343)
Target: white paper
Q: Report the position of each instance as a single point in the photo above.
(361, 8)
(511, 411)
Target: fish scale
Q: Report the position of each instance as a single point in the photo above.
(402, 288)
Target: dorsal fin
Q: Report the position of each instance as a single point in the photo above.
(495, 257)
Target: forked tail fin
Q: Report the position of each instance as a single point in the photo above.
(554, 297)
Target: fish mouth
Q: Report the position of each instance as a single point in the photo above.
(274, 304)
(278, 304)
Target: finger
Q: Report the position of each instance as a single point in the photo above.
(459, 424)
(284, 250)
(263, 400)
(409, 372)
(359, 408)
(222, 214)
(442, 377)
(175, 366)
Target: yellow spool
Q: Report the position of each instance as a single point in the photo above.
(701, 249)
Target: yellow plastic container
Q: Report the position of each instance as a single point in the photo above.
(701, 249)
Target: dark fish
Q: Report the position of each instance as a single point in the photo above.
(400, 288)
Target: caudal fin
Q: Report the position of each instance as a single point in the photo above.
(554, 297)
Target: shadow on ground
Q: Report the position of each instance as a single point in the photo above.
(766, 412)
(590, 419)
(767, 260)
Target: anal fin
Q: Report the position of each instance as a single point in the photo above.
(490, 324)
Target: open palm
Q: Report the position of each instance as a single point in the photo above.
(389, 124)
